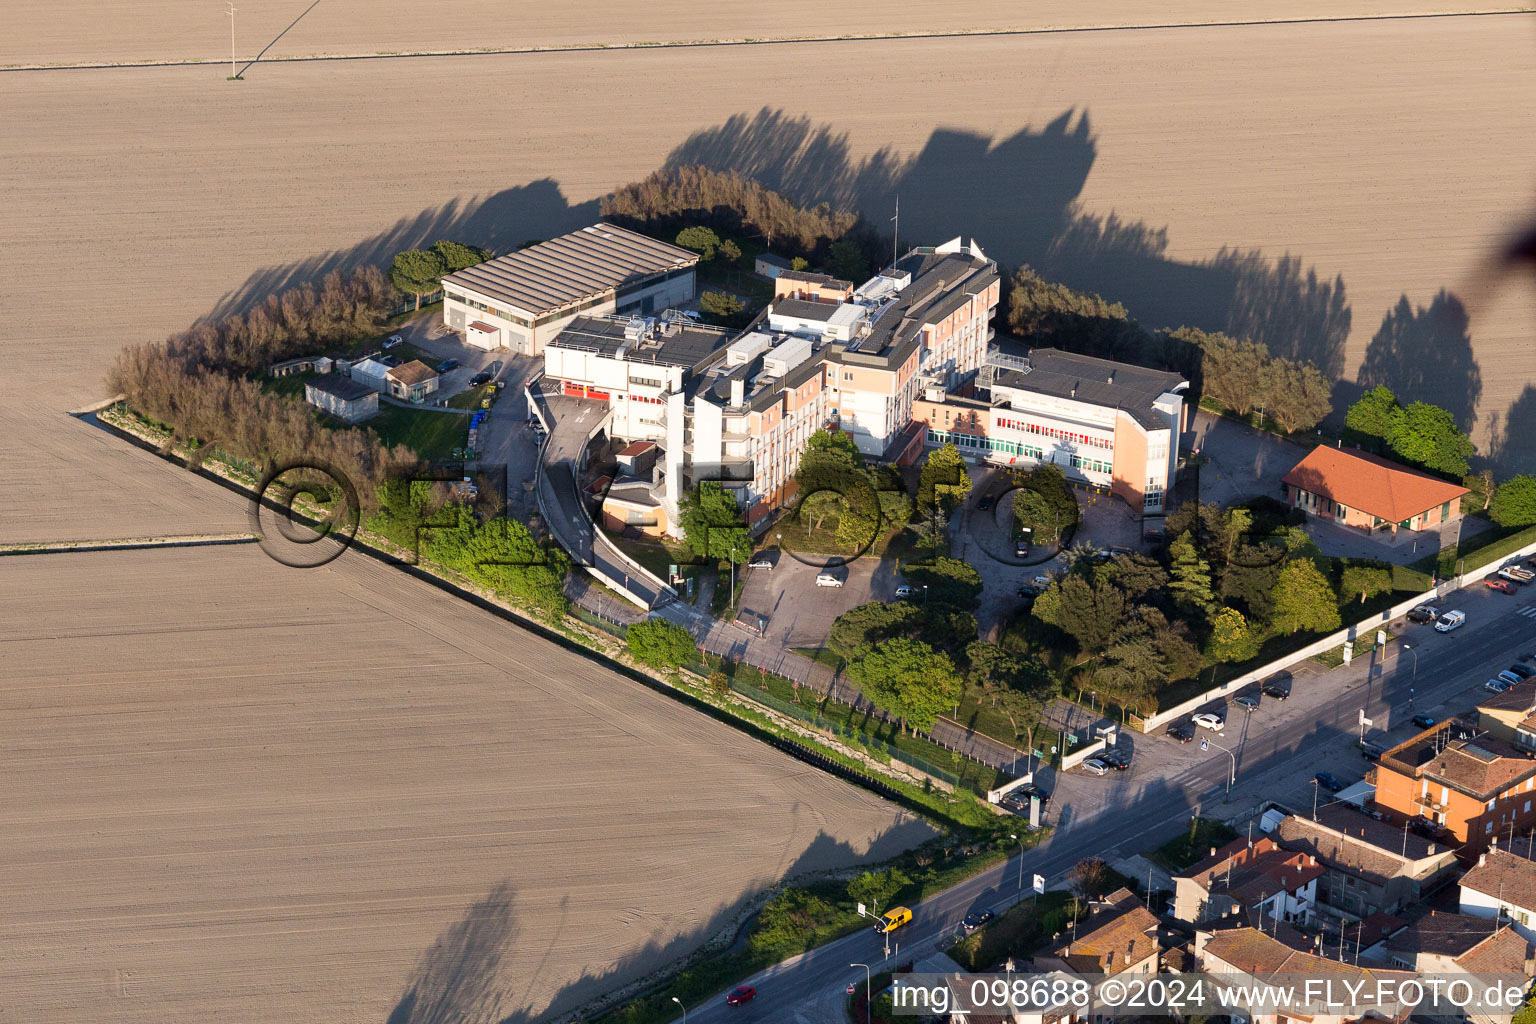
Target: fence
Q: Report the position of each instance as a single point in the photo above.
(845, 732)
(1346, 635)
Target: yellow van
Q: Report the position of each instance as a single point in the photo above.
(893, 919)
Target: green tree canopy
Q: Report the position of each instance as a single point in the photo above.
(1428, 436)
(1514, 502)
(417, 272)
(1304, 600)
(1091, 613)
(712, 524)
(700, 239)
(908, 679)
(1045, 504)
(1231, 639)
(1249, 579)
(730, 252)
(1053, 314)
(943, 482)
(720, 304)
(1295, 393)
(845, 261)
(949, 581)
(858, 629)
(458, 256)
(799, 263)
(1190, 581)
(1365, 580)
(859, 521)
(1375, 416)
(876, 889)
(661, 644)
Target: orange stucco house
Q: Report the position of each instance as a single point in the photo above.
(1369, 493)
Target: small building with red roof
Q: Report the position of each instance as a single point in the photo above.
(1370, 493)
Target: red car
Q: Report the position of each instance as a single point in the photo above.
(1501, 585)
(739, 995)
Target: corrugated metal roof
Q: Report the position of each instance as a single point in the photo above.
(563, 270)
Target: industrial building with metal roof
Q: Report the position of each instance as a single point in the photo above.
(522, 300)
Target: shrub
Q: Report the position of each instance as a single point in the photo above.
(661, 644)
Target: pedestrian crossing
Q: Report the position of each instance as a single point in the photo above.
(1529, 611)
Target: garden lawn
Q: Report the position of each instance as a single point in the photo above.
(432, 435)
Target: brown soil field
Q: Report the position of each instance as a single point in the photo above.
(324, 794)
(85, 32)
(1316, 185)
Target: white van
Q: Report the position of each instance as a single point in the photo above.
(827, 579)
(1450, 620)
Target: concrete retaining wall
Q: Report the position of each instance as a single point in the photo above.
(1070, 761)
(1346, 635)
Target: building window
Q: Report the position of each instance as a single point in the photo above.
(847, 375)
(1445, 512)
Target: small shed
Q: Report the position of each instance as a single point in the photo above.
(349, 400)
(372, 373)
(770, 266)
(638, 458)
(412, 381)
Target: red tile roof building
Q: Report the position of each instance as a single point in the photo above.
(1370, 493)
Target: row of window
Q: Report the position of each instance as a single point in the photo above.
(1096, 465)
(1064, 435)
(648, 401)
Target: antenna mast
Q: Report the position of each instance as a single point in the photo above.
(896, 233)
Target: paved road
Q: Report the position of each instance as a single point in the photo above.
(1277, 750)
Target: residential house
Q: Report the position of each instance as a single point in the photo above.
(1119, 937)
(1248, 956)
(1477, 788)
(1369, 493)
(1510, 716)
(412, 381)
(1370, 866)
(350, 401)
(1502, 886)
(1450, 945)
(1251, 879)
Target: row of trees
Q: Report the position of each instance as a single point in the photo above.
(499, 554)
(418, 272)
(234, 415)
(347, 306)
(1240, 374)
(679, 197)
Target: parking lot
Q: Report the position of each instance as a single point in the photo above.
(799, 612)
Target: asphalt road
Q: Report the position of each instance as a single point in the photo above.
(1277, 749)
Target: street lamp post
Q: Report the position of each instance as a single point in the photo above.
(679, 1002)
(867, 999)
(1233, 777)
(1021, 860)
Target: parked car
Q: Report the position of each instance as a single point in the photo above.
(740, 994)
(1519, 572)
(1027, 591)
(1027, 791)
(446, 365)
(1510, 678)
(827, 579)
(1182, 733)
(1502, 586)
(1329, 781)
(1423, 613)
(1119, 549)
(1495, 686)
(1516, 577)
(1116, 758)
(1453, 619)
(1522, 670)
(984, 503)
(1094, 766)
(1206, 720)
(1370, 751)
(975, 919)
(394, 339)
(1276, 691)
(1043, 582)
(1423, 721)
(483, 377)
(389, 361)
(1248, 702)
(761, 560)
(903, 592)
(1021, 551)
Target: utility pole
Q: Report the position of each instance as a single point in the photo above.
(232, 75)
(896, 233)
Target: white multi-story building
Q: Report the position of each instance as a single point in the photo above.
(1108, 424)
(523, 300)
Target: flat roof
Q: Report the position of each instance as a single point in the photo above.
(673, 344)
(941, 283)
(1101, 382)
(344, 388)
(822, 279)
(803, 310)
(585, 263)
(772, 260)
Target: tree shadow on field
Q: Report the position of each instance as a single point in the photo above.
(1019, 197)
(500, 222)
(1513, 449)
(485, 967)
(1425, 355)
